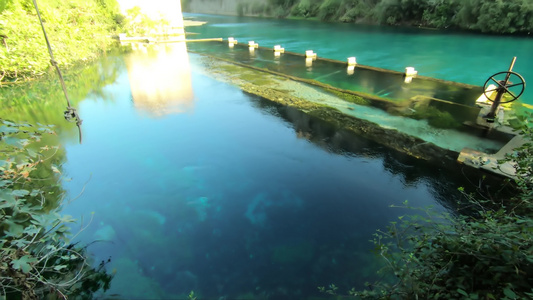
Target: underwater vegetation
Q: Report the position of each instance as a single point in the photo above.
(435, 117)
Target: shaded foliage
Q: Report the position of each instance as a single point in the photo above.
(491, 16)
(37, 259)
(484, 251)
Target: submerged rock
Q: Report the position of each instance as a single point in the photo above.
(106, 233)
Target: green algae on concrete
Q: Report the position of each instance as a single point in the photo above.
(391, 138)
(352, 98)
(377, 122)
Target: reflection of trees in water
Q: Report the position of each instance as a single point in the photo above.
(443, 180)
(42, 101)
(37, 258)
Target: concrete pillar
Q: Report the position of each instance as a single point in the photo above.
(410, 71)
(310, 53)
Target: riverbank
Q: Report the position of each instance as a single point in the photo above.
(509, 17)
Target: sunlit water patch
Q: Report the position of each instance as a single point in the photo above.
(231, 195)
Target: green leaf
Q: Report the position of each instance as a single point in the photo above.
(31, 153)
(55, 169)
(13, 141)
(7, 200)
(60, 267)
(20, 193)
(23, 263)
(462, 292)
(509, 293)
(14, 229)
(6, 129)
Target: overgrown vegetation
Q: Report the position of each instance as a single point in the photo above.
(483, 252)
(490, 16)
(79, 30)
(37, 259)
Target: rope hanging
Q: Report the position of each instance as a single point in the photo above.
(70, 114)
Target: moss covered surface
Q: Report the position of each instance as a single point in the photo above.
(391, 138)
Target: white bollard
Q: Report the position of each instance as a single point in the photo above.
(277, 54)
(352, 61)
(308, 61)
(310, 53)
(410, 71)
(278, 48)
(231, 40)
(408, 79)
(253, 44)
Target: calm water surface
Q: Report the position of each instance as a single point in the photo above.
(463, 57)
(231, 195)
(202, 187)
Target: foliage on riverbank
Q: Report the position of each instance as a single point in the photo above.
(485, 253)
(78, 31)
(37, 259)
(490, 16)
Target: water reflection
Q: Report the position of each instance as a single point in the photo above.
(160, 78)
(409, 170)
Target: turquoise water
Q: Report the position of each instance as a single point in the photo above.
(456, 56)
(234, 196)
(387, 85)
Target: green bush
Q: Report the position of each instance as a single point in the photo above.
(494, 16)
(359, 10)
(279, 12)
(440, 14)
(305, 8)
(258, 8)
(77, 31)
(36, 257)
(328, 9)
(485, 252)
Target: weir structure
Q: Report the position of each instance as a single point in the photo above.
(448, 106)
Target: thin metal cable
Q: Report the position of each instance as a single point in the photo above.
(70, 114)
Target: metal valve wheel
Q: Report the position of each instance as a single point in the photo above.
(508, 82)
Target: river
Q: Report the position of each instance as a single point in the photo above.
(192, 185)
